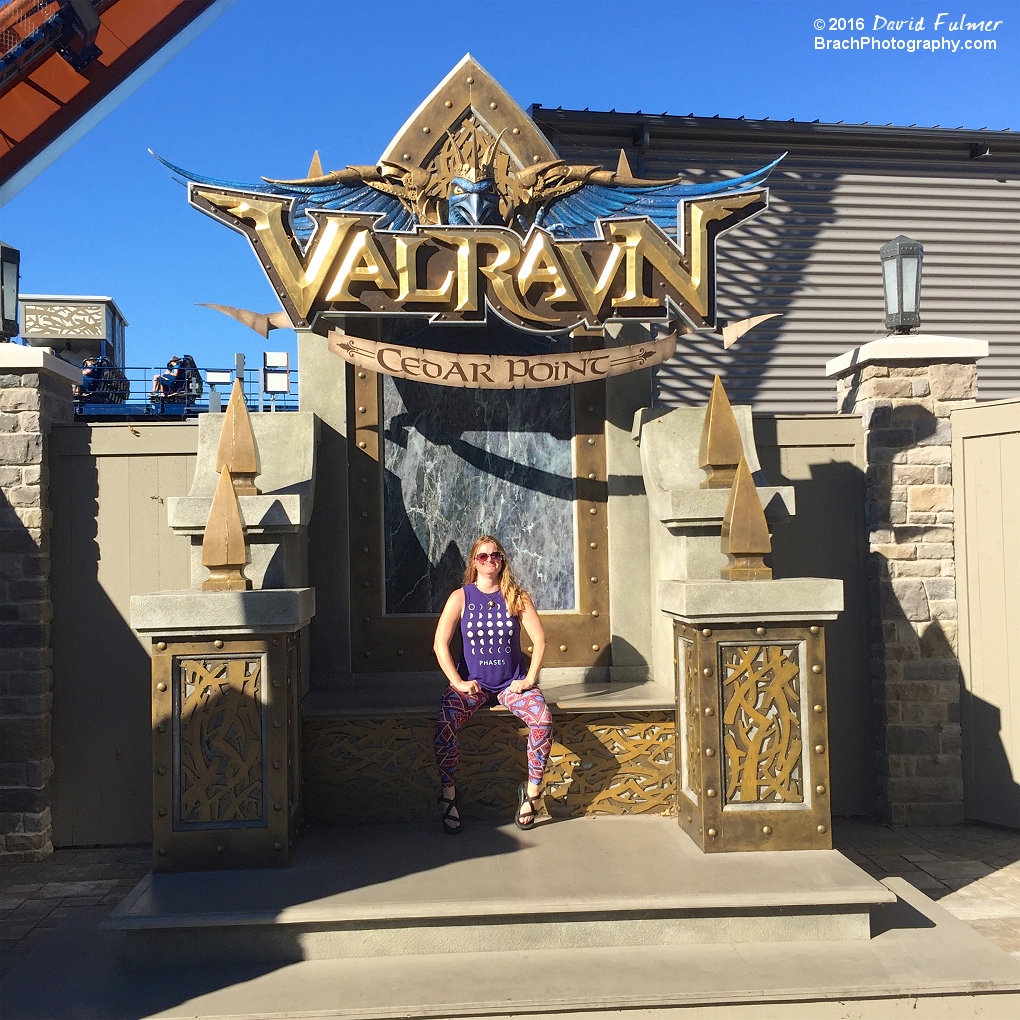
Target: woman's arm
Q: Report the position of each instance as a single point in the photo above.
(533, 625)
(452, 612)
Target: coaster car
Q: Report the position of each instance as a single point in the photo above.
(181, 383)
(101, 383)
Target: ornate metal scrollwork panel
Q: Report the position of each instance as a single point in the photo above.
(220, 747)
(761, 723)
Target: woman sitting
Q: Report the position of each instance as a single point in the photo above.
(491, 608)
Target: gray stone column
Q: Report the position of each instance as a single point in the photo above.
(904, 388)
(35, 393)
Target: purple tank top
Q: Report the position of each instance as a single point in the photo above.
(492, 641)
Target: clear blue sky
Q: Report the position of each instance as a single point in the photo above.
(272, 80)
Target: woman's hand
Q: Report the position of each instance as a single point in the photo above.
(520, 686)
(466, 686)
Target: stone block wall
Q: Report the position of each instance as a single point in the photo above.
(915, 673)
(30, 403)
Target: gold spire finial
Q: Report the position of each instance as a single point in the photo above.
(237, 451)
(721, 447)
(315, 167)
(623, 169)
(224, 550)
(745, 532)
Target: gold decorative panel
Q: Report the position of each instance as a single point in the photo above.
(52, 319)
(761, 723)
(373, 770)
(225, 751)
(753, 718)
(220, 746)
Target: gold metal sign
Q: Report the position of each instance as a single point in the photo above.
(471, 212)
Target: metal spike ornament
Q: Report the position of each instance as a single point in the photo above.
(224, 549)
(721, 447)
(745, 532)
(237, 452)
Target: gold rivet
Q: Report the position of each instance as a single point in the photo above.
(815, 630)
(276, 724)
(217, 643)
(818, 709)
(277, 806)
(516, 131)
(362, 444)
(591, 407)
(594, 580)
(821, 828)
(364, 548)
(277, 846)
(361, 375)
(276, 765)
(400, 652)
(563, 648)
(161, 727)
(819, 748)
(766, 830)
(710, 710)
(470, 81)
(406, 155)
(366, 584)
(493, 106)
(426, 130)
(366, 619)
(276, 642)
(367, 655)
(594, 648)
(161, 770)
(816, 668)
(819, 788)
(161, 687)
(276, 683)
(162, 851)
(591, 441)
(709, 752)
(710, 792)
(707, 671)
(161, 812)
(593, 545)
(594, 612)
(221, 849)
(593, 511)
(364, 478)
(707, 632)
(759, 631)
(161, 645)
(534, 159)
(591, 476)
(448, 105)
(713, 833)
(530, 647)
(364, 513)
(362, 410)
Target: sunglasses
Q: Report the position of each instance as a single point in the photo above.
(485, 557)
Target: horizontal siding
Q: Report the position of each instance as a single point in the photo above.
(813, 256)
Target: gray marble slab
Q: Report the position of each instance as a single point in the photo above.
(459, 463)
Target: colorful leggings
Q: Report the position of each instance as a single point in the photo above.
(455, 709)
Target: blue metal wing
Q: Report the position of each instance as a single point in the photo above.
(352, 197)
(574, 215)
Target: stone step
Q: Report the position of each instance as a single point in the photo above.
(407, 889)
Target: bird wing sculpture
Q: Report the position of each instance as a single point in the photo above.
(260, 322)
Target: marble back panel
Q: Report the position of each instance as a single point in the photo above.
(459, 463)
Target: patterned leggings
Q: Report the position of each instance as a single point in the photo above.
(455, 709)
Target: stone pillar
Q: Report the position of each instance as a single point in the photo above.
(904, 388)
(35, 393)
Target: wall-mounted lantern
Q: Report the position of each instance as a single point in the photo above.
(901, 278)
(10, 277)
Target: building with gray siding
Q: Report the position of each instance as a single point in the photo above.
(841, 192)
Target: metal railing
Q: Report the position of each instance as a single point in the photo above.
(130, 392)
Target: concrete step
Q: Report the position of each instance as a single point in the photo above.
(407, 889)
(920, 963)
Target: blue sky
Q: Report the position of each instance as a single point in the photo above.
(273, 80)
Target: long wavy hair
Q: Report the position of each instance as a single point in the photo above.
(516, 597)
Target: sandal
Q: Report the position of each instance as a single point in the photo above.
(451, 822)
(522, 799)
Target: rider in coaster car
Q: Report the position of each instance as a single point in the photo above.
(172, 380)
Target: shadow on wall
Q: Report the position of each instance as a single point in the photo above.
(761, 268)
(102, 740)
